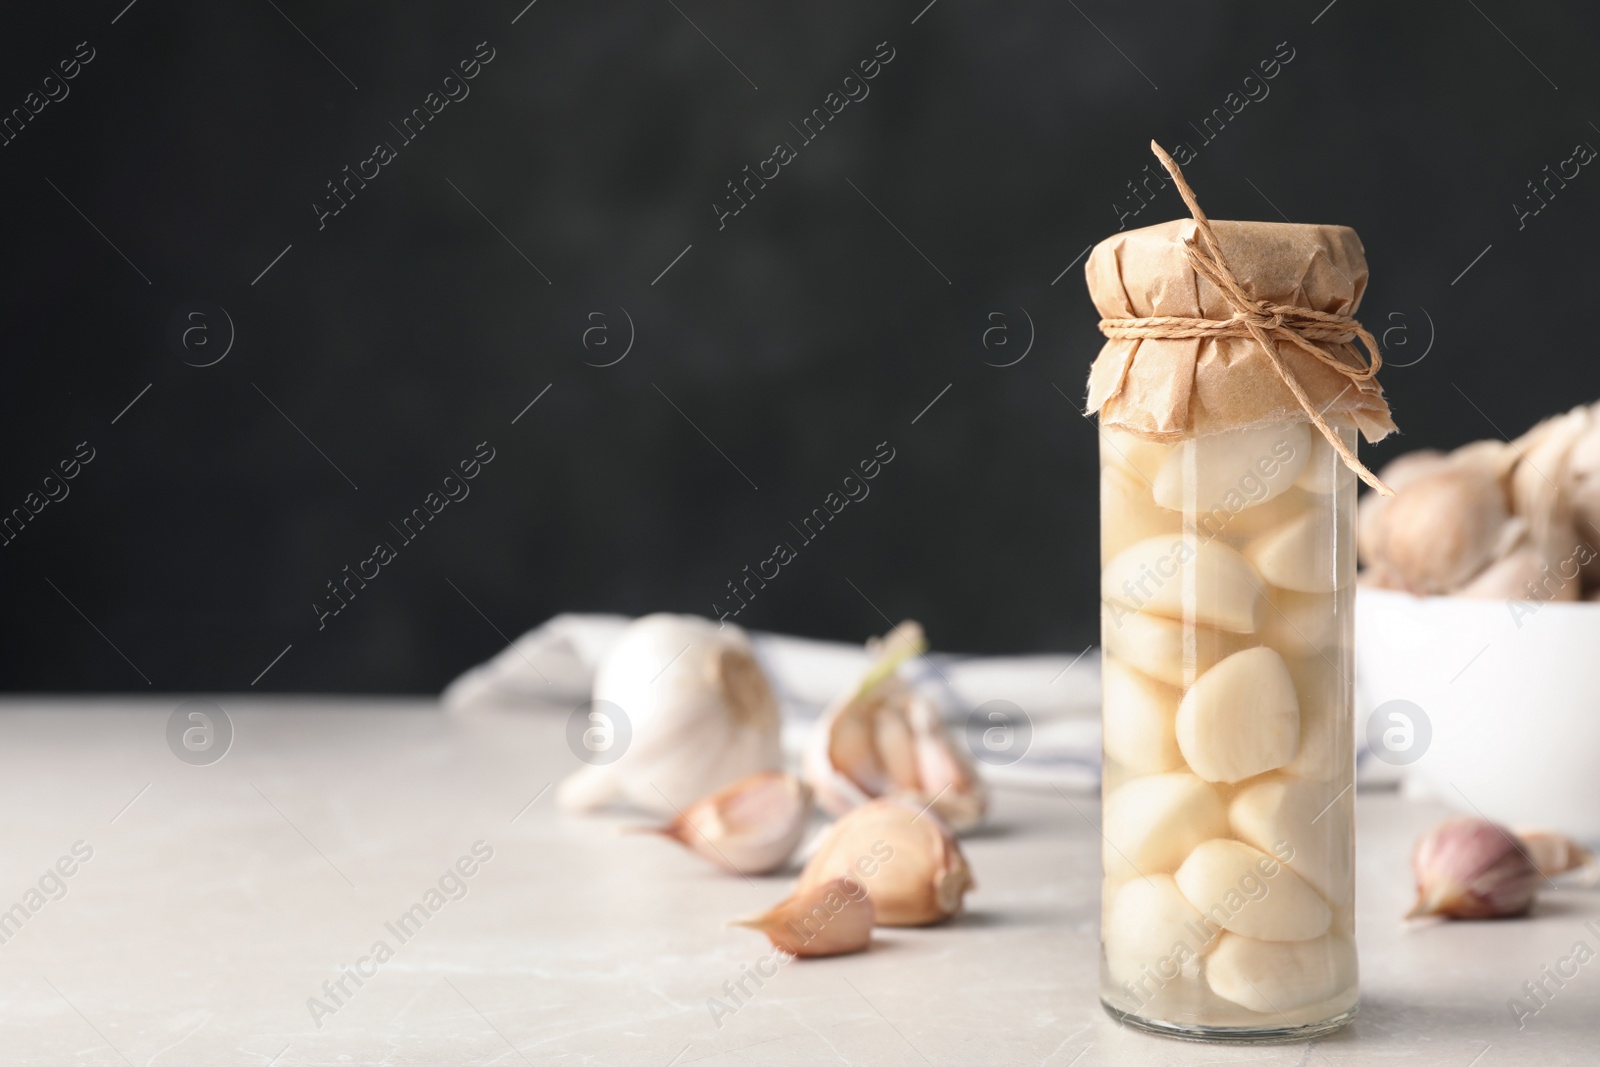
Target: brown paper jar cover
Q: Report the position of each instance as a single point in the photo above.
(1168, 388)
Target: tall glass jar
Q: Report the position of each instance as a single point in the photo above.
(1227, 594)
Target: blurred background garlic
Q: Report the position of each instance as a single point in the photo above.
(883, 738)
(907, 858)
(1492, 519)
(1470, 868)
(752, 826)
(827, 919)
(701, 709)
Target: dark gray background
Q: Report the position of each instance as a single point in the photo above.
(796, 339)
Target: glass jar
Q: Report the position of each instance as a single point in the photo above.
(1227, 594)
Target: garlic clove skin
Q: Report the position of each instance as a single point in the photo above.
(908, 860)
(1554, 853)
(1469, 868)
(750, 827)
(701, 710)
(883, 738)
(831, 918)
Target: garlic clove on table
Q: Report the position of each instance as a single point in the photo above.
(884, 738)
(1554, 853)
(1470, 868)
(752, 826)
(827, 919)
(907, 858)
(700, 709)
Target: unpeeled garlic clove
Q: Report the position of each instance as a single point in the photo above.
(883, 738)
(1201, 582)
(907, 858)
(1442, 529)
(750, 827)
(828, 919)
(1241, 718)
(1470, 868)
(1554, 853)
(1396, 474)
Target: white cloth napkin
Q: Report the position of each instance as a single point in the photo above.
(1060, 695)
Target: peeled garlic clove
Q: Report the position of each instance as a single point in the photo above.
(1301, 624)
(1325, 469)
(1137, 722)
(827, 919)
(1246, 891)
(1322, 756)
(1241, 718)
(1280, 976)
(908, 860)
(1554, 853)
(1233, 469)
(1152, 823)
(1303, 555)
(701, 711)
(883, 738)
(1163, 648)
(1470, 868)
(750, 827)
(1255, 519)
(1145, 920)
(1442, 529)
(1202, 582)
(1137, 455)
(1128, 513)
(1308, 823)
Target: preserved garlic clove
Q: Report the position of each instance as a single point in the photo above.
(1308, 823)
(1325, 470)
(1273, 977)
(1201, 582)
(1301, 624)
(1138, 729)
(1470, 868)
(750, 827)
(908, 860)
(1241, 718)
(883, 738)
(1234, 469)
(828, 919)
(1152, 823)
(1137, 455)
(1554, 853)
(1246, 891)
(1148, 921)
(1128, 513)
(1164, 648)
(1443, 529)
(701, 709)
(1303, 555)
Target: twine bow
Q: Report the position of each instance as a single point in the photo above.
(1266, 322)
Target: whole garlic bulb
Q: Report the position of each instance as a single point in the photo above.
(907, 858)
(701, 711)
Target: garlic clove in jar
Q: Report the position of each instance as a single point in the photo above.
(1325, 469)
(1307, 823)
(1442, 529)
(1139, 456)
(1280, 976)
(1151, 824)
(828, 919)
(1164, 648)
(1303, 555)
(1228, 469)
(752, 826)
(1128, 513)
(1470, 868)
(701, 711)
(1246, 891)
(1145, 921)
(907, 858)
(1138, 729)
(1301, 624)
(883, 738)
(1241, 718)
(1205, 583)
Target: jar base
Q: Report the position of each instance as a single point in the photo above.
(1251, 1035)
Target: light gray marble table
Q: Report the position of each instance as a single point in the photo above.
(219, 900)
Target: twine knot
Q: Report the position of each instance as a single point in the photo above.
(1265, 322)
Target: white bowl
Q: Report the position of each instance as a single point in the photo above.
(1512, 693)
